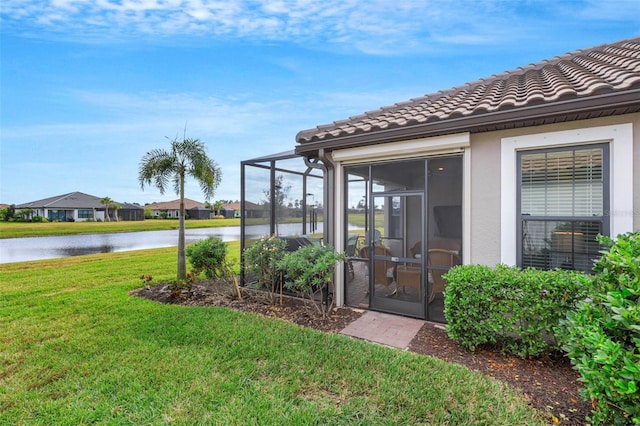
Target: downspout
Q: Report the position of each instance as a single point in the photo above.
(327, 166)
(328, 169)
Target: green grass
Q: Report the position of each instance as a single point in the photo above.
(28, 229)
(75, 348)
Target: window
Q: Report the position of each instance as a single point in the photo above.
(562, 204)
(85, 214)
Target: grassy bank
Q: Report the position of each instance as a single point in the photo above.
(76, 349)
(27, 229)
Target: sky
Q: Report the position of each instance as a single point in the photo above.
(87, 87)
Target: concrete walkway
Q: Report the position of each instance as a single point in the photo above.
(390, 330)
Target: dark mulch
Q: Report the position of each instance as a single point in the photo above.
(549, 383)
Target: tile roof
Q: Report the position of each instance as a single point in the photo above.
(175, 205)
(248, 205)
(72, 200)
(590, 73)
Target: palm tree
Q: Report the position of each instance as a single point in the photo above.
(116, 207)
(217, 207)
(187, 157)
(106, 201)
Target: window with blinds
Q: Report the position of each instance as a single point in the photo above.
(562, 200)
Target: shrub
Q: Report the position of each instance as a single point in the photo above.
(38, 219)
(602, 336)
(309, 271)
(8, 213)
(208, 256)
(261, 261)
(514, 309)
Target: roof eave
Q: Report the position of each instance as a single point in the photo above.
(561, 110)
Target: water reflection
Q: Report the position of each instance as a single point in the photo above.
(79, 251)
(35, 248)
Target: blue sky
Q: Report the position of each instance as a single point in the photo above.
(89, 86)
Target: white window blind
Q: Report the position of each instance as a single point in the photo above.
(562, 183)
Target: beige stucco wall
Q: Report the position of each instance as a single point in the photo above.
(485, 182)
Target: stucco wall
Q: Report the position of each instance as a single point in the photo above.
(485, 182)
(485, 199)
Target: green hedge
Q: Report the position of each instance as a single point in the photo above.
(514, 309)
(602, 336)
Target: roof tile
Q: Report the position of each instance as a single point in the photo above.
(583, 73)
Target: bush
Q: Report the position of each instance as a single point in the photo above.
(309, 271)
(208, 256)
(602, 336)
(261, 261)
(38, 219)
(8, 213)
(515, 309)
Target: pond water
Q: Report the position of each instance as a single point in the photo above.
(36, 248)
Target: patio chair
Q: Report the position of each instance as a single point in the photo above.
(352, 244)
(442, 259)
(384, 271)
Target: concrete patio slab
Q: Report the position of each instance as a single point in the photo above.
(391, 330)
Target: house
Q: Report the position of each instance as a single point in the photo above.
(251, 210)
(79, 207)
(523, 168)
(171, 209)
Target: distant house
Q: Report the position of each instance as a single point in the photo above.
(251, 210)
(171, 209)
(79, 207)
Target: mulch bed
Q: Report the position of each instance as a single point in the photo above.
(549, 383)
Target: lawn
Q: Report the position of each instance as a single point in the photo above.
(75, 348)
(28, 229)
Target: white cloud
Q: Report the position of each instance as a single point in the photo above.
(372, 26)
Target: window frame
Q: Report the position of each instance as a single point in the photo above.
(622, 191)
(85, 213)
(606, 201)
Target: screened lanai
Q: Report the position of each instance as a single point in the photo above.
(282, 195)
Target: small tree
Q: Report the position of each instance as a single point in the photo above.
(116, 207)
(9, 212)
(217, 207)
(106, 202)
(186, 157)
(25, 214)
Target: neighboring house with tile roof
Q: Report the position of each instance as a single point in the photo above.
(522, 168)
(79, 207)
(251, 210)
(171, 209)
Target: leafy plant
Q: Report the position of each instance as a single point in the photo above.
(207, 256)
(8, 213)
(514, 309)
(602, 335)
(146, 279)
(261, 261)
(309, 271)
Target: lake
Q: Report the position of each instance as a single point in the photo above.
(36, 248)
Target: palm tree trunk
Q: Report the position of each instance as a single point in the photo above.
(182, 263)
